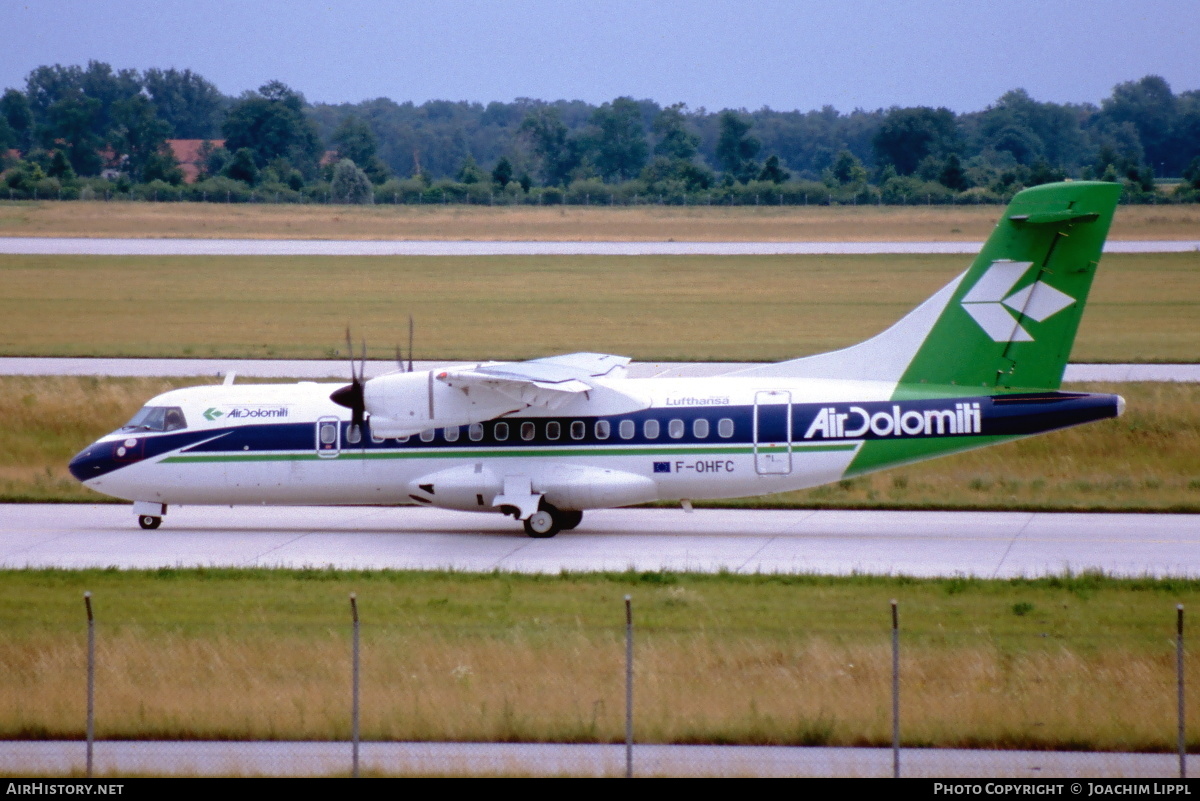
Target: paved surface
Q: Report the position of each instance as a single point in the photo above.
(339, 370)
(984, 544)
(327, 247)
(490, 759)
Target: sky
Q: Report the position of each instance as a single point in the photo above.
(709, 54)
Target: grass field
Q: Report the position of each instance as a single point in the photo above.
(1076, 662)
(560, 223)
(681, 308)
(1148, 460)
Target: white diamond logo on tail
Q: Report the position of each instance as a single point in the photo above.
(986, 302)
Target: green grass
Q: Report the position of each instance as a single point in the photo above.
(685, 308)
(1068, 662)
(1148, 460)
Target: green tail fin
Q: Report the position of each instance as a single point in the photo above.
(1011, 321)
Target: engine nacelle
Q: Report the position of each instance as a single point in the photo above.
(579, 487)
(403, 404)
(469, 488)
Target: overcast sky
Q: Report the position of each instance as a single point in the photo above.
(708, 53)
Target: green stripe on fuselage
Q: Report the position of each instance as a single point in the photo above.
(461, 453)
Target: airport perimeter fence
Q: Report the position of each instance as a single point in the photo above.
(377, 695)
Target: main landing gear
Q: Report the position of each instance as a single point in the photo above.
(549, 520)
(149, 521)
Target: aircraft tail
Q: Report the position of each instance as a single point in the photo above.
(1010, 320)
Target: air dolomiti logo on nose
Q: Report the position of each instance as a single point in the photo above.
(989, 302)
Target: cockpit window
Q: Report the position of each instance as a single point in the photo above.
(157, 418)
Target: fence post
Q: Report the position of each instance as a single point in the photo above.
(895, 692)
(628, 687)
(91, 681)
(1179, 689)
(354, 690)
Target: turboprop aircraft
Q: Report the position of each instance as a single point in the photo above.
(978, 363)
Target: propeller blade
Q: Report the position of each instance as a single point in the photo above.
(410, 342)
(352, 396)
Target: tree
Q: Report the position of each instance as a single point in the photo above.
(1149, 106)
(137, 134)
(547, 136)
(847, 169)
(674, 140)
(502, 174)
(350, 184)
(908, 135)
(736, 149)
(1191, 173)
(60, 167)
(16, 114)
(70, 122)
(355, 140)
(469, 172)
(186, 102)
(620, 141)
(242, 167)
(272, 125)
(952, 175)
(771, 171)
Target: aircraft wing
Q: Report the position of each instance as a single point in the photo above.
(548, 382)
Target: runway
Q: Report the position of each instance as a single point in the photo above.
(87, 246)
(923, 544)
(336, 369)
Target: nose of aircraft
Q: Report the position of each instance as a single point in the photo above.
(89, 462)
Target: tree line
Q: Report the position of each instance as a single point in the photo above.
(94, 131)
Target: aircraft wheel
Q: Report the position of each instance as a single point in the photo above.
(569, 520)
(543, 523)
(149, 521)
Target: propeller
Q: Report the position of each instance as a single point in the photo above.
(351, 395)
(400, 354)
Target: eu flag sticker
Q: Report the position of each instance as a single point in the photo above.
(662, 467)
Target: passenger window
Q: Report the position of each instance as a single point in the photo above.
(500, 432)
(527, 431)
(578, 429)
(650, 429)
(700, 428)
(475, 432)
(427, 435)
(353, 434)
(725, 428)
(328, 433)
(376, 438)
(627, 429)
(553, 430)
(675, 428)
(450, 434)
(603, 429)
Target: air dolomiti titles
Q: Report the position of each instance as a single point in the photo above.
(856, 422)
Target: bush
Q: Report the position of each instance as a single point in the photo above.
(218, 190)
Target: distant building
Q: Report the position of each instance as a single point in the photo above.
(188, 153)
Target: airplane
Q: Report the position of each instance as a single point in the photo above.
(978, 363)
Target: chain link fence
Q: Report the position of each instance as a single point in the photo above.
(375, 696)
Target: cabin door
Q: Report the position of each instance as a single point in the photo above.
(773, 433)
